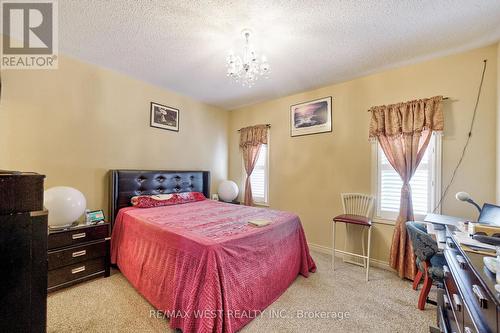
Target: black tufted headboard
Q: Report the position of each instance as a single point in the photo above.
(127, 183)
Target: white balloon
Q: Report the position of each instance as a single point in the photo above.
(65, 205)
(228, 190)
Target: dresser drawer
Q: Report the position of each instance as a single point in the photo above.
(443, 321)
(76, 254)
(483, 307)
(469, 326)
(77, 236)
(453, 302)
(76, 271)
(479, 304)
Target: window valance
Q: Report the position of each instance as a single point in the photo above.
(253, 135)
(407, 118)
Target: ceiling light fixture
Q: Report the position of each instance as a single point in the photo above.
(248, 68)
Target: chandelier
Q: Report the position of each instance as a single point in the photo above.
(248, 68)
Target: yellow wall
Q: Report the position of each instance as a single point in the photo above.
(75, 123)
(498, 123)
(308, 173)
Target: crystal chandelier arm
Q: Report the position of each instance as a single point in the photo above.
(248, 68)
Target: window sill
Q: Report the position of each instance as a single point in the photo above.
(261, 204)
(388, 221)
(380, 220)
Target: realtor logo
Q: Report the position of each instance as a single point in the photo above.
(29, 32)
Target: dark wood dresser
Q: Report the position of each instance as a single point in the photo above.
(78, 254)
(468, 302)
(23, 253)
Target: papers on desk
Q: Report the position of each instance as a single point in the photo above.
(442, 219)
(464, 239)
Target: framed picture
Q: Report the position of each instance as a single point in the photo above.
(311, 117)
(164, 117)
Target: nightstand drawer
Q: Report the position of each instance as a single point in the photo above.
(76, 271)
(77, 236)
(76, 254)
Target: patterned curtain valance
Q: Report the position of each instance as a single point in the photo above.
(407, 118)
(253, 135)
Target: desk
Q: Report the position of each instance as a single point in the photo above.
(434, 233)
(437, 223)
(443, 219)
(468, 302)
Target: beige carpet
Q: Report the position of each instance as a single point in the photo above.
(384, 304)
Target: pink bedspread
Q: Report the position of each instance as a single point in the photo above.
(204, 265)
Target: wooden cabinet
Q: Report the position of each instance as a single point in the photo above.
(78, 254)
(23, 272)
(23, 253)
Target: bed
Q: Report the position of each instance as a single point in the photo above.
(200, 263)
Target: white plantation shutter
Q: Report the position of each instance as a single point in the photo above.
(259, 177)
(423, 185)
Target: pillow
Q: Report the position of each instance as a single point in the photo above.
(191, 196)
(149, 201)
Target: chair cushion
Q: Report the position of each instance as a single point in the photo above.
(353, 219)
(438, 260)
(424, 246)
(436, 270)
(436, 273)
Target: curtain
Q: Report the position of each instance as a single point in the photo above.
(404, 131)
(251, 139)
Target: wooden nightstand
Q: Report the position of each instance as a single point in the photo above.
(78, 254)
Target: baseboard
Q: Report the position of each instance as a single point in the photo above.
(328, 250)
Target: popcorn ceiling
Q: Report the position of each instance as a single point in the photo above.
(182, 45)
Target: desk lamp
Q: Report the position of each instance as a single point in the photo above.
(464, 196)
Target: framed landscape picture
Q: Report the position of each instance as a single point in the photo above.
(164, 117)
(311, 117)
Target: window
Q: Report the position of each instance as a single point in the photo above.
(425, 184)
(260, 177)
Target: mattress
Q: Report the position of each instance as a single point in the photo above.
(203, 266)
